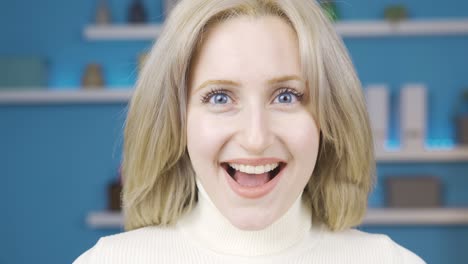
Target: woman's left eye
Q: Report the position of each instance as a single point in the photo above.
(288, 96)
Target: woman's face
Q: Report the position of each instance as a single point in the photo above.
(252, 142)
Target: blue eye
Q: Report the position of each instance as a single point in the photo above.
(216, 97)
(285, 98)
(288, 96)
(219, 98)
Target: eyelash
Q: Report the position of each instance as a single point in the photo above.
(214, 91)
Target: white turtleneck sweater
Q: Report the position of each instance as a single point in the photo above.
(205, 236)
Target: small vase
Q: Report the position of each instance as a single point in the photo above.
(92, 77)
(396, 13)
(114, 191)
(137, 12)
(103, 16)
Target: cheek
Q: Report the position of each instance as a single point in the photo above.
(205, 137)
(302, 137)
(307, 137)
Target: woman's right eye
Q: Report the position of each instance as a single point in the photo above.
(219, 99)
(216, 97)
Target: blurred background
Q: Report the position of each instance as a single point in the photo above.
(66, 73)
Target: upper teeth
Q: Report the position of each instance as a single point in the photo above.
(254, 169)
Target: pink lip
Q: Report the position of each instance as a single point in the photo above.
(255, 162)
(253, 192)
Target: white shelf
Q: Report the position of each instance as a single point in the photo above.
(436, 216)
(404, 28)
(105, 220)
(354, 29)
(123, 32)
(459, 154)
(384, 217)
(101, 95)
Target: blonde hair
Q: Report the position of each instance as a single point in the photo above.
(159, 181)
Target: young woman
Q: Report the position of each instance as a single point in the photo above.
(247, 141)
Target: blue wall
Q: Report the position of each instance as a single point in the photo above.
(57, 160)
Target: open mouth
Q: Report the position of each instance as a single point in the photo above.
(253, 176)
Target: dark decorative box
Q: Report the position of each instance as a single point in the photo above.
(114, 202)
(413, 192)
(462, 130)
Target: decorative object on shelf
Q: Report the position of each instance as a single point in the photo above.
(141, 60)
(23, 73)
(114, 191)
(413, 117)
(92, 77)
(103, 16)
(461, 119)
(137, 12)
(396, 13)
(377, 98)
(331, 9)
(413, 192)
(168, 6)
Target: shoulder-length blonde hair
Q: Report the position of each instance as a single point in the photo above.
(159, 181)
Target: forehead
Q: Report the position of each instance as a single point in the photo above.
(247, 48)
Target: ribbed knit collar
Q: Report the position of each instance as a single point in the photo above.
(206, 225)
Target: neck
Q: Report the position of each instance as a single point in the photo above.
(206, 225)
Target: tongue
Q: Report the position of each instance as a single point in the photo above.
(251, 180)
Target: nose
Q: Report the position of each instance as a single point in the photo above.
(255, 135)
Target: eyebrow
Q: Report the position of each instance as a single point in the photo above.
(270, 82)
